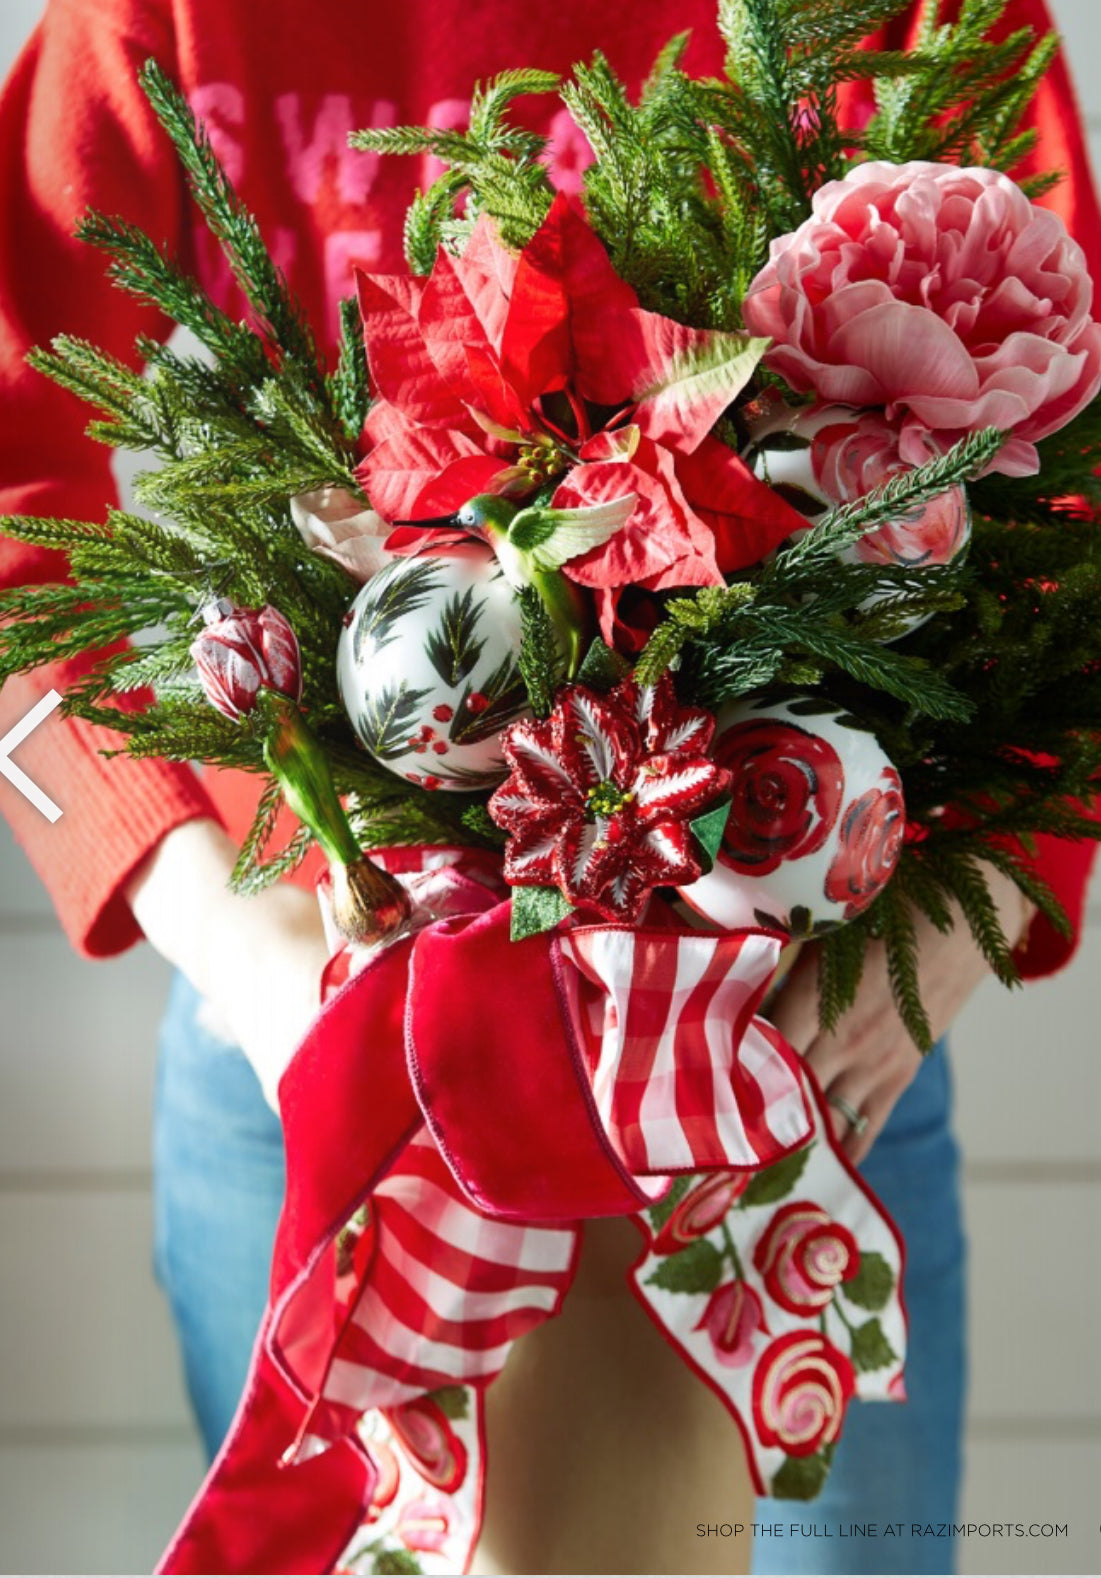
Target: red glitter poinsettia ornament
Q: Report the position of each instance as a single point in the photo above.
(602, 793)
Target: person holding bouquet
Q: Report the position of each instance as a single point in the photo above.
(146, 849)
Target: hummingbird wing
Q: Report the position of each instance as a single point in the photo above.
(550, 538)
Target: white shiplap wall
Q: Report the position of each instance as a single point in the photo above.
(97, 1455)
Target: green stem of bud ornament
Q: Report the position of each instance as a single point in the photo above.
(368, 903)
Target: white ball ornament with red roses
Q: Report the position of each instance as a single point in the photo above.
(816, 822)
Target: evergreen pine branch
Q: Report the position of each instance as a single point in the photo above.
(140, 267)
(840, 971)
(236, 230)
(894, 923)
(538, 661)
(350, 387)
(848, 523)
(963, 876)
(252, 873)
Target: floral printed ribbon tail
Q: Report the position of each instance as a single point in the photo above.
(618, 1058)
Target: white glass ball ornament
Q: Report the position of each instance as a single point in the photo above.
(822, 456)
(816, 822)
(427, 668)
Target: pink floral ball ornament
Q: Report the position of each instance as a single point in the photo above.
(827, 455)
(816, 819)
(941, 294)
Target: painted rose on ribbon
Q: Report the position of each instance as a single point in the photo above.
(702, 1208)
(801, 1388)
(870, 841)
(437, 1453)
(941, 294)
(389, 1477)
(803, 1256)
(424, 1524)
(732, 1319)
(786, 786)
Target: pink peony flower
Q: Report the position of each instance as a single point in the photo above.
(941, 294)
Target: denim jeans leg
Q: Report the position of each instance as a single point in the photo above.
(900, 1463)
(218, 1187)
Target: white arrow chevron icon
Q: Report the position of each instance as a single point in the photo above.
(14, 737)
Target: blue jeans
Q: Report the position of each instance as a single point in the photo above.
(218, 1164)
(218, 1178)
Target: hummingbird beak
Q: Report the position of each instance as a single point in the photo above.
(430, 522)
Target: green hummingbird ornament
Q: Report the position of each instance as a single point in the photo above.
(532, 543)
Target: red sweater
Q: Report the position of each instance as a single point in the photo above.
(280, 87)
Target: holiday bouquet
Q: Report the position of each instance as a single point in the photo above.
(659, 577)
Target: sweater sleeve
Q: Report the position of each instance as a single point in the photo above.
(75, 133)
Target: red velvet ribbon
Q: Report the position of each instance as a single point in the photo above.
(505, 1095)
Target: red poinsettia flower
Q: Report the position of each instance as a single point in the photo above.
(501, 373)
(602, 793)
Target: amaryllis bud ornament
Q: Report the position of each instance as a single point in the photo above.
(248, 659)
(816, 819)
(242, 651)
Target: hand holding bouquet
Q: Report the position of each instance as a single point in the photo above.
(656, 579)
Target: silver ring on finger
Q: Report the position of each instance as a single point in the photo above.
(856, 1120)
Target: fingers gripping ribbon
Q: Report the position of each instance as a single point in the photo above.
(461, 1106)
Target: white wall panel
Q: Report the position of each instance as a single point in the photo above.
(86, 1336)
(1027, 1069)
(1035, 1290)
(67, 1508)
(1042, 1480)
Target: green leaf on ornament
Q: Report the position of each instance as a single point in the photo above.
(535, 910)
(601, 668)
(768, 921)
(872, 1285)
(800, 921)
(800, 1478)
(661, 1210)
(708, 831)
(453, 648)
(452, 1401)
(697, 1269)
(783, 443)
(777, 1181)
(870, 1349)
(399, 590)
(389, 718)
(485, 711)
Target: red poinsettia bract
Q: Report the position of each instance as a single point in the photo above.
(602, 793)
(503, 372)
